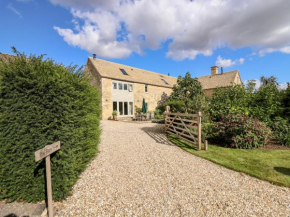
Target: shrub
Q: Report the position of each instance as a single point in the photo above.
(42, 102)
(159, 117)
(114, 113)
(207, 131)
(228, 100)
(176, 106)
(281, 131)
(138, 109)
(240, 131)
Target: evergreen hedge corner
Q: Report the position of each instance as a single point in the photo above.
(42, 102)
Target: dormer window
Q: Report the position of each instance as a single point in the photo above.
(123, 71)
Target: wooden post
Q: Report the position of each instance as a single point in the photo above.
(166, 113)
(199, 131)
(48, 184)
(205, 145)
(45, 153)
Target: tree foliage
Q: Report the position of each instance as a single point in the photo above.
(230, 100)
(42, 102)
(189, 91)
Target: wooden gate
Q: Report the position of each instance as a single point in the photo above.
(185, 126)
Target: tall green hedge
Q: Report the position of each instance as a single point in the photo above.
(42, 102)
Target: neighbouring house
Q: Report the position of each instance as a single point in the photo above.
(224, 79)
(123, 87)
(6, 57)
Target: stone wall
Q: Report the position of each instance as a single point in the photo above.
(107, 105)
(90, 72)
(152, 97)
(209, 92)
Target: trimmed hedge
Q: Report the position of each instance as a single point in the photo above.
(42, 102)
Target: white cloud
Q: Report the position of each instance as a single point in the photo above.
(10, 7)
(285, 50)
(190, 27)
(228, 62)
(283, 86)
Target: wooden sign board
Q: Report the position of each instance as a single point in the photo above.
(47, 150)
(45, 153)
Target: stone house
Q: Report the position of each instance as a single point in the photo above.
(211, 82)
(124, 87)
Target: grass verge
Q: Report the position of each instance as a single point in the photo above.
(269, 165)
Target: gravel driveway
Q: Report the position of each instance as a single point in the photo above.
(139, 173)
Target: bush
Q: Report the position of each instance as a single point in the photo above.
(42, 102)
(176, 106)
(240, 131)
(281, 131)
(207, 131)
(228, 100)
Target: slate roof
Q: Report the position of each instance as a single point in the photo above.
(220, 80)
(6, 57)
(112, 70)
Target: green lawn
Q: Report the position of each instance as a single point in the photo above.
(269, 165)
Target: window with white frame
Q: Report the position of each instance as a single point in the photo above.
(130, 87)
(120, 86)
(114, 85)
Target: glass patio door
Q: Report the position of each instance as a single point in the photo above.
(123, 108)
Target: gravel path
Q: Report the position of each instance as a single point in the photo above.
(139, 173)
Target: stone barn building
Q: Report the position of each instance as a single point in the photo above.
(124, 87)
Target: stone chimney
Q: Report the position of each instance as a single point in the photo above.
(214, 70)
(94, 56)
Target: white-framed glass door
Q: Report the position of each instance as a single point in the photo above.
(123, 108)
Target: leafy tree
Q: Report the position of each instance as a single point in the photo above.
(285, 101)
(265, 104)
(272, 80)
(232, 99)
(42, 102)
(189, 91)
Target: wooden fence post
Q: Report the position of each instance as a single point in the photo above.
(167, 110)
(205, 145)
(199, 130)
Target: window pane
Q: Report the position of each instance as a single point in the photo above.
(121, 108)
(114, 85)
(165, 82)
(130, 108)
(123, 71)
(120, 86)
(125, 87)
(125, 108)
(146, 88)
(130, 87)
(115, 106)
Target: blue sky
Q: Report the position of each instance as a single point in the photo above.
(69, 32)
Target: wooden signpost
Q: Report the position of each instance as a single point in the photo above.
(45, 153)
